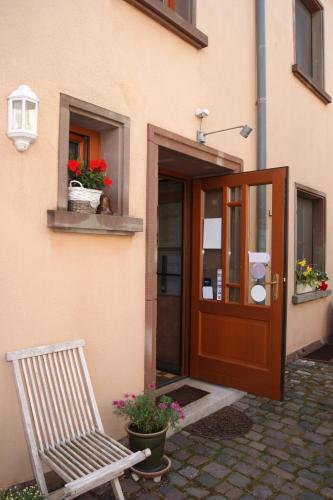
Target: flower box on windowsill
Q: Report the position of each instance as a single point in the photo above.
(305, 288)
(300, 298)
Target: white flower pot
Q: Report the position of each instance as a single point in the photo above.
(305, 288)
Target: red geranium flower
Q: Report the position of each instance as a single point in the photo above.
(73, 165)
(78, 172)
(107, 181)
(93, 164)
(102, 166)
(323, 286)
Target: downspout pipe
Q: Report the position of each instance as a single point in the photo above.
(261, 120)
(261, 84)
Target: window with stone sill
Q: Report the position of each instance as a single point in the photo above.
(185, 8)
(309, 46)
(178, 16)
(310, 233)
(90, 132)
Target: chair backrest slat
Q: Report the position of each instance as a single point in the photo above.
(39, 422)
(53, 402)
(88, 411)
(90, 391)
(63, 424)
(82, 410)
(69, 393)
(31, 400)
(45, 410)
(63, 396)
(58, 393)
(45, 389)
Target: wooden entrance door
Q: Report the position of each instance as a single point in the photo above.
(238, 281)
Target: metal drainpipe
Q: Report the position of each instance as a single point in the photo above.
(261, 120)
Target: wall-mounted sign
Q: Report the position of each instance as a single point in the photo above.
(260, 257)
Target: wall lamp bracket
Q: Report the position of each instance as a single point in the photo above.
(245, 132)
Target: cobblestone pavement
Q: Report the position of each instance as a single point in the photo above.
(287, 454)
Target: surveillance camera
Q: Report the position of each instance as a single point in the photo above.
(202, 112)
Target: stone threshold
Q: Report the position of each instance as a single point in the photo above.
(218, 398)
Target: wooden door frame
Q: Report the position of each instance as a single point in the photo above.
(158, 137)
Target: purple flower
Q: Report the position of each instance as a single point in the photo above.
(121, 404)
(175, 406)
(126, 395)
(162, 406)
(152, 386)
(115, 402)
(133, 396)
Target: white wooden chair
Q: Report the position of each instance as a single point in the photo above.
(62, 422)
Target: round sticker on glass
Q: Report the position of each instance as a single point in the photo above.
(258, 271)
(258, 293)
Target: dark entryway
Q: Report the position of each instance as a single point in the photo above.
(170, 276)
(172, 290)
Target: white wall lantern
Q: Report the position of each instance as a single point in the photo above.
(22, 117)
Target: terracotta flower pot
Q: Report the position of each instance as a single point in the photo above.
(154, 441)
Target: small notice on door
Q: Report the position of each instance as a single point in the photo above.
(259, 257)
(212, 236)
(219, 285)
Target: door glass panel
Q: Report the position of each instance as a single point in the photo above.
(234, 295)
(235, 237)
(212, 246)
(260, 245)
(235, 193)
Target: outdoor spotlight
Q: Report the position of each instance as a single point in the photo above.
(22, 117)
(245, 131)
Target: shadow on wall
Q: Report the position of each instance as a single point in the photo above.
(329, 319)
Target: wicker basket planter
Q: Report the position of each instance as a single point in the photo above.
(81, 199)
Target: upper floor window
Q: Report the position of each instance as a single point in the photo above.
(309, 46)
(309, 39)
(178, 16)
(185, 8)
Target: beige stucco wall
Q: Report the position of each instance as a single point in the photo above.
(63, 286)
(66, 286)
(300, 135)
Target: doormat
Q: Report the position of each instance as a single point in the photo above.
(226, 423)
(323, 354)
(186, 394)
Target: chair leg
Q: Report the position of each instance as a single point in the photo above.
(118, 492)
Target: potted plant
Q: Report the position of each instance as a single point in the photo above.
(309, 278)
(148, 422)
(86, 183)
(322, 278)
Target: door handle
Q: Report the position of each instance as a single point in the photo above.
(275, 285)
